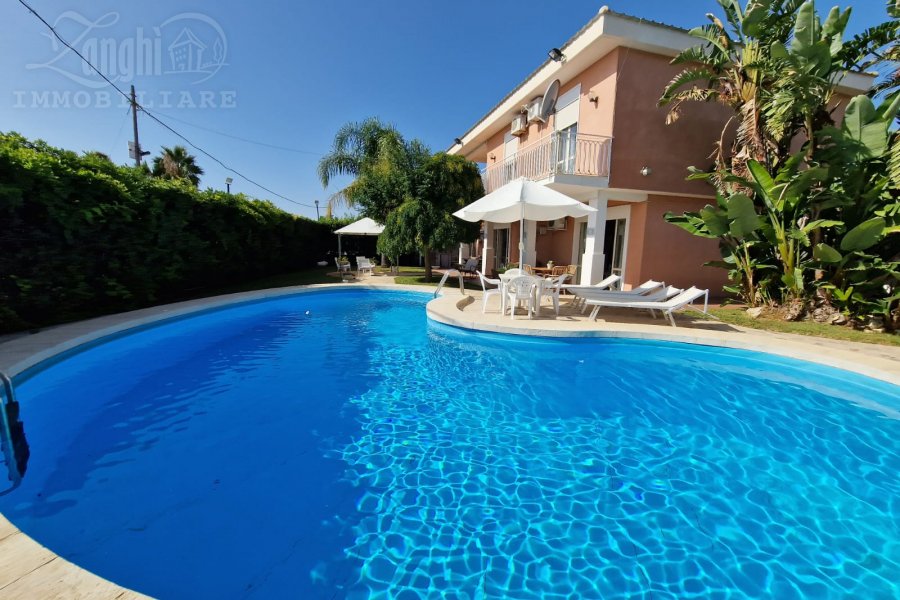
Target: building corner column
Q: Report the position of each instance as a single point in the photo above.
(593, 259)
(487, 254)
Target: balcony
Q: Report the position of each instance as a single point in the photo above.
(563, 153)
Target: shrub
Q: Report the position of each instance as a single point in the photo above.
(82, 236)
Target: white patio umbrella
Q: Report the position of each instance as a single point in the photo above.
(520, 200)
(364, 226)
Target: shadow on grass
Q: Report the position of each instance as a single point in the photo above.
(822, 330)
(410, 279)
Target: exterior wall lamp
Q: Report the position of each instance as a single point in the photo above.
(645, 171)
(492, 156)
(556, 55)
(457, 141)
(594, 97)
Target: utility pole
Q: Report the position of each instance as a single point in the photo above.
(137, 144)
(317, 211)
(134, 148)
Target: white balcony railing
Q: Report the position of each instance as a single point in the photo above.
(557, 154)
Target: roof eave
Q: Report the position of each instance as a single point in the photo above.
(616, 30)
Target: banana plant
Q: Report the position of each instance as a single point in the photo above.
(785, 208)
(787, 201)
(860, 259)
(735, 223)
(862, 282)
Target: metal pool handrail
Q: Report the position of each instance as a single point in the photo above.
(8, 443)
(448, 273)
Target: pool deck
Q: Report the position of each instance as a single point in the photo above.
(29, 570)
(873, 360)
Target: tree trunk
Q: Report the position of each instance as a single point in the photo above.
(426, 252)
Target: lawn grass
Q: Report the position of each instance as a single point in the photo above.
(416, 276)
(739, 317)
(303, 277)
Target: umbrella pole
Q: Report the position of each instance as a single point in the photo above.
(522, 238)
(339, 246)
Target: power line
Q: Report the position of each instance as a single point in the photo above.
(119, 134)
(151, 115)
(239, 138)
(223, 165)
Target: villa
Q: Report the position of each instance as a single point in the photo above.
(607, 144)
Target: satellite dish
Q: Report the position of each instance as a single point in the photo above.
(548, 104)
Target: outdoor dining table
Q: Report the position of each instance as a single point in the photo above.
(542, 270)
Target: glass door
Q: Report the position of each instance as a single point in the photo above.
(501, 247)
(614, 247)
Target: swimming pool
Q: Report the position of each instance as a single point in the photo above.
(336, 444)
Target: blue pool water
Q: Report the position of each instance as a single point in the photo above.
(358, 451)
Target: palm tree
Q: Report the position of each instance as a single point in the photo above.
(177, 163)
(358, 146)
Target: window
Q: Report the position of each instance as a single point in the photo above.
(565, 149)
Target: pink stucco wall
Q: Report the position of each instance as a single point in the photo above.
(642, 137)
(555, 245)
(594, 118)
(658, 250)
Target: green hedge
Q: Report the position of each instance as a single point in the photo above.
(81, 236)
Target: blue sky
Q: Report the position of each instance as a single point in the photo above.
(288, 74)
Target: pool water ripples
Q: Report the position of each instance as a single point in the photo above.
(357, 451)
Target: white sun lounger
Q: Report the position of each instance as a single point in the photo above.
(654, 295)
(667, 307)
(583, 293)
(603, 285)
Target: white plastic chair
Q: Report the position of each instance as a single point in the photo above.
(521, 289)
(363, 264)
(342, 267)
(550, 288)
(487, 292)
(470, 267)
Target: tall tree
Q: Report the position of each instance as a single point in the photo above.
(399, 183)
(424, 221)
(177, 163)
